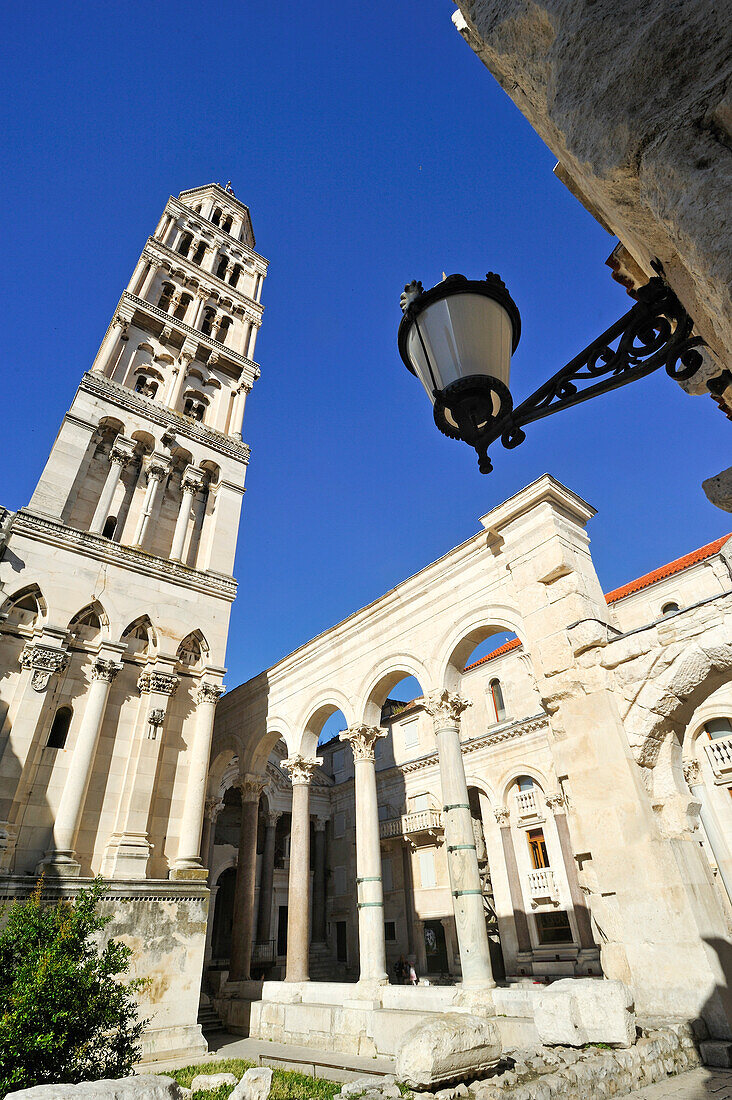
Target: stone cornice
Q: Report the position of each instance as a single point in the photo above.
(52, 531)
(180, 208)
(248, 366)
(202, 276)
(93, 382)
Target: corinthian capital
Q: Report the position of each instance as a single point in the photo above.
(300, 769)
(104, 669)
(122, 451)
(209, 693)
(362, 740)
(692, 772)
(251, 787)
(446, 706)
(502, 816)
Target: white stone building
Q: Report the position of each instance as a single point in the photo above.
(560, 806)
(116, 586)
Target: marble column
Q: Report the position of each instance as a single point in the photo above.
(121, 454)
(521, 924)
(242, 932)
(266, 882)
(558, 807)
(116, 331)
(178, 379)
(156, 470)
(318, 932)
(191, 482)
(372, 948)
(212, 809)
(298, 902)
(462, 861)
(149, 279)
(708, 818)
(68, 816)
(237, 413)
(188, 862)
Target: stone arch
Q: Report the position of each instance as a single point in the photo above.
(90, 620)
(514, 772)
(140, 630)
(226, 756)
(381, 679)
(193, 651)
(28, 606)
(484, 787)
(328, 703)
(477, 625)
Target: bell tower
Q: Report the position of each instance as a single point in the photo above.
(116, 587)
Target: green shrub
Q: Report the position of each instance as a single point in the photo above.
(63, 1015)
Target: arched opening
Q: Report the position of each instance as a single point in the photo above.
(184, 245)
(499, 705)
(86, 625)
(216, 215)
(182, 308)
(146, 385)
(235, 275)
(166, 296)
(221, 267)
(24, 608)
(200, 252)
(223, 919)
(670, 608)
(207, 323)
(140, 637)
(192, 649)
(60, 728)
(228, 222)
(224, 326)
(195, 405)
(110, 525)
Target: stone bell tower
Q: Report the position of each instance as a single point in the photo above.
(116, 586)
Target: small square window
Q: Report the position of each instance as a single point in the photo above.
(390, 931)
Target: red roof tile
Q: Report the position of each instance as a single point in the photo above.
(669, 570)
(505, 648)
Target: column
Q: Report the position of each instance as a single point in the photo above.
(214, 248)
(318, 932)
(408, 887)
(121, 453)
(237, 414)
(372, 948)
(557, 805)
(521, 924)
(149, 279)
(202, 296)
(128, 848)
(242, 932)
(462, 861)
(246, 331)
(266, 882)
(137, 273)
(179, 376)
(298, 902)
(116, 331)
(708, 818)
(212, 809)
(188, 862)
(251, 343)
(191, 482)
(157, 469)
(68, 816)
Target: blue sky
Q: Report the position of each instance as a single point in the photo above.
(372, 147)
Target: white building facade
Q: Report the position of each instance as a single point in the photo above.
(116, 586)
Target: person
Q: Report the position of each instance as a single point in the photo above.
(400, 970)
(412, 975)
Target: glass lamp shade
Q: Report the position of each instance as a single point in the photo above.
(460, 329)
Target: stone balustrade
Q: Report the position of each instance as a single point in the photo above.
(542, 886)
(420, 821)
(719, 752)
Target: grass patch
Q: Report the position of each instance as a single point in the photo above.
(286, 1084)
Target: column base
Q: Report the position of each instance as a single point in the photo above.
(194, 873)
(126, 856)
(62, 863)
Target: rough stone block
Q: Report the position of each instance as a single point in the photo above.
(447, 1048)
(147, 1086)
(254, 1085)
(576, 1011)
(212, 1081)
(715, 1052)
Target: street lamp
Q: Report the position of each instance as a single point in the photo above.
(458, 339)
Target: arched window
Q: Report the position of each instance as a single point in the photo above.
(524, 782)
(146, 385)
(199, 253)
(195, 408)
(224, 325)
(718, 727)
(209, 316)
(235, 273)
(228, 222)
(24, 610)
(86, 626)
(60, 728)
(216, 216)
(109, 525)
(183, 304)
(184, 245)
(166, 296)
(222, 266)
(669, 608)
(499, 705)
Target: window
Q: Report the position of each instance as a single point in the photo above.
(184, 245)
(411, 734)
(427, 875)
(339, 824)
(216, 216)
(60, 728)
(339, 881)
(224, 325)
(387, 878)
(209, 316)
(228, 222)
(718, 727)
(553, 928)
(669, 608)
(420, 802)
(498, 704)
(183, 303)
(221, 269)
(199, 253)
(537, 848)
(193, 408)
(235, 273)
(146, 385)
(109, 525)
(524, 782)
(166, 296)
(390, 931)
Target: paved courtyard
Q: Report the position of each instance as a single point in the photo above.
(700, 1084)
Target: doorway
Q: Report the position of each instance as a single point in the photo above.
(435, 947)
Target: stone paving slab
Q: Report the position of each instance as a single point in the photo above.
(700, 1084)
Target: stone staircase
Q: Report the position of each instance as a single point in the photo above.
(208, 1018)
(324, 968)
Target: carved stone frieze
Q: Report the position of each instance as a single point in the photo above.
(446, 706)
(44, 661)
(556, 803)
(362, 740)
(301, 770)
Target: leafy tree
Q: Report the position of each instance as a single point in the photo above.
(63, 1015)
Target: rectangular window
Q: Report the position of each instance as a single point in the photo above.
(339, 824)
(390, 931)
(553, 928)
(339, 881)
(420, 802)
(387, 879)
(410, 732)
(427, 870)
(537, 847)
